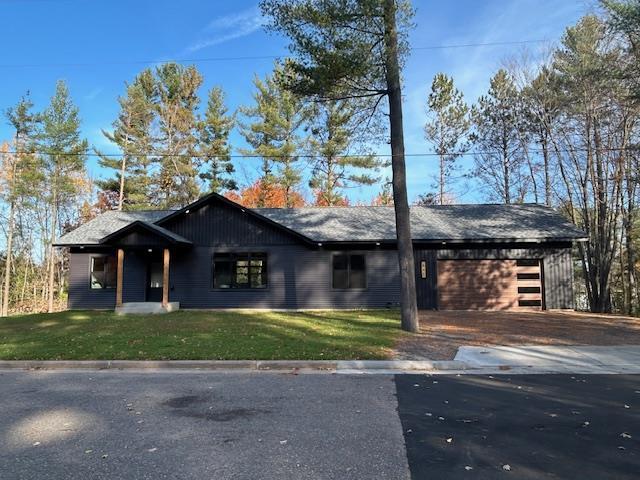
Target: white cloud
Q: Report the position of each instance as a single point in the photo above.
(228, 27)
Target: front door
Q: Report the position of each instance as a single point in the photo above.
(154, 281)
(425, 278)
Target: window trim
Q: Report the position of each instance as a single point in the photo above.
(366, 272)
(91, 258)
(233, 253)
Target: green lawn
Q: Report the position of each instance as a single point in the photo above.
(188, 335)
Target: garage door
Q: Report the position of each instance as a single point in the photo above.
(489, 285)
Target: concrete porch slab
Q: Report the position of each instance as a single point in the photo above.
(128, 308)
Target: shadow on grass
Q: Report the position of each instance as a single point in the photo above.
(201, 335)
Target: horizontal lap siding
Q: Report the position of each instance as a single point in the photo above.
(298, 278)
(82, 296)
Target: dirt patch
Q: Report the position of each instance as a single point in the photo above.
(441, 333)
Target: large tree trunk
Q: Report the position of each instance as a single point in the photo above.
(408, 305)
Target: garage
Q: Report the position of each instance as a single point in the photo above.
(490, 284)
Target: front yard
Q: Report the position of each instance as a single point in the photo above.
(189, 335)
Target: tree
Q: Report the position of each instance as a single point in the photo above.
(348, 49)
(446, 127)
(338, 156)
(213, 143)
(497, 137)
(17, 178)
(132, 134)
(175, 101)
(273, 132)
(597, 128)
(63, 164)
(258, 195)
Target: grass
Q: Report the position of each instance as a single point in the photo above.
(189, 335)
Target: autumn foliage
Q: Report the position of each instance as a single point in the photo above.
(262, 194)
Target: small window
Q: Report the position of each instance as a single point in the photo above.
(528, 262)
(528, 289)
(104, 272)
(240, 270)
(530, 303)
(528, 276)
(349, 271)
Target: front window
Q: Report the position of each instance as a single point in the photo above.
(349, 271)
(104, 272)
(240, 270)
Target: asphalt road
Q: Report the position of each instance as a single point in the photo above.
(123, 425)
(524, 427)
(176, 425)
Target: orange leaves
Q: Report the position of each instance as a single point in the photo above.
(262, 194)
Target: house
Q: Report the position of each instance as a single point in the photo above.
(215, 253)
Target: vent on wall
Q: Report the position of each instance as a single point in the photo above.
(529, 283)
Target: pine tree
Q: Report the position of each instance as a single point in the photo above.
(132, 134)
(175, 102)
(273, 132)
(336, 145)
(63, 165)
(446, 128)
(214, 150)
(497, 138)
(355, 49)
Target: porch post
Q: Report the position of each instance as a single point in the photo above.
(119, 278)
(165, 278)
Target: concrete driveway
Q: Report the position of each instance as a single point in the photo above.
(176, 425)
(442, 333)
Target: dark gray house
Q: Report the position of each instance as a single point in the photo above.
(215, 253)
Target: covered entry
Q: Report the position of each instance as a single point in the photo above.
(490, 284)
(152, 244)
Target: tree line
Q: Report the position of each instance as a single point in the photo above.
(562, 131)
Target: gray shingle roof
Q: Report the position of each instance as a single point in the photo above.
(109, 222)
(481, 222)
(431, 223)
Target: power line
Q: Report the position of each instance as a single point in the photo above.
(302, 156)
(240, 58)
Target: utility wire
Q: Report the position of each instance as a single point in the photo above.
(380, 155)
(240, 58)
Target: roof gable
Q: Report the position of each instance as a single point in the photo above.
(140, 233)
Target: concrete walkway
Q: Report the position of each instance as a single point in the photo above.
(552, 359)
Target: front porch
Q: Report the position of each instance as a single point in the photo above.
(154, 244)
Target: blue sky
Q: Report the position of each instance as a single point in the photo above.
(91, 44)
